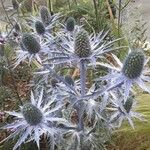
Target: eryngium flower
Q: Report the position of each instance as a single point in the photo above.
(32, 114)
(30, 43)
(133, 64)
(17, 27)
(82, 45)
(35, 119)
(123, 111)
(70, 24)
(39, 27)
(69, 80)
(133, 71)
(15, 4)
(30, 49)
(45, 15)
(128, 104)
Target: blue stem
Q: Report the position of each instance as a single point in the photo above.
(83, 92)
(82, 77)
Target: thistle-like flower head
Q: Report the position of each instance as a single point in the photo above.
(132, 71)
(82, 45)
(15, 4)
(32, 114)
(123, 111)
(70, 24)
(128, 104)
(133, 64)
(69, 80)
(30, 43)
(39, 27)
(45, 15)
(17, 27)
(35, 119)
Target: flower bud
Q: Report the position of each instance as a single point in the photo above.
(70, 24)
(69, 80)
(45, 15)
(39, 26)
(15, 4)
(82, 44)
(32, 114)
(133, 64)
(128, 104)
(30, 43)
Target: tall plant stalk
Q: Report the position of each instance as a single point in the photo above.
(50, 5)
(83, 92)
(96, 11)
(119, 17)
(69, 4)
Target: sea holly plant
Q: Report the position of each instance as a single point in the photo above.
(73, 113)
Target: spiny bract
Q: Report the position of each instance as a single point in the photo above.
(69, 80)
(133, 64)
(32, 114)
(30, 43)
(82, 44)
(15, 4)
(39, 26)
(45, 15)
(70, 24)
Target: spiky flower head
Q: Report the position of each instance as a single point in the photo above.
(133, 64)
(128, 104)
(32, 114)
(36, 118)
(17, 27)
(54, 82)
(15, 4)
(70, 24)
(82, 45)
(69, 80)
(39, 27)
(45, 15)
(30, 43)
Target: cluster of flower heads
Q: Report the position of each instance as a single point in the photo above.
(66, 110)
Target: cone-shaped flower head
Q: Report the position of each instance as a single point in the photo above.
(54, 82)
(35, 119)
(128, 104)
(30, 43)
(45, 15)
(39, 27)
(70, 24)
(82, 44)
(69, 80)
(32, 114)
(133, 64)
(17, 27)
(15, 4)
